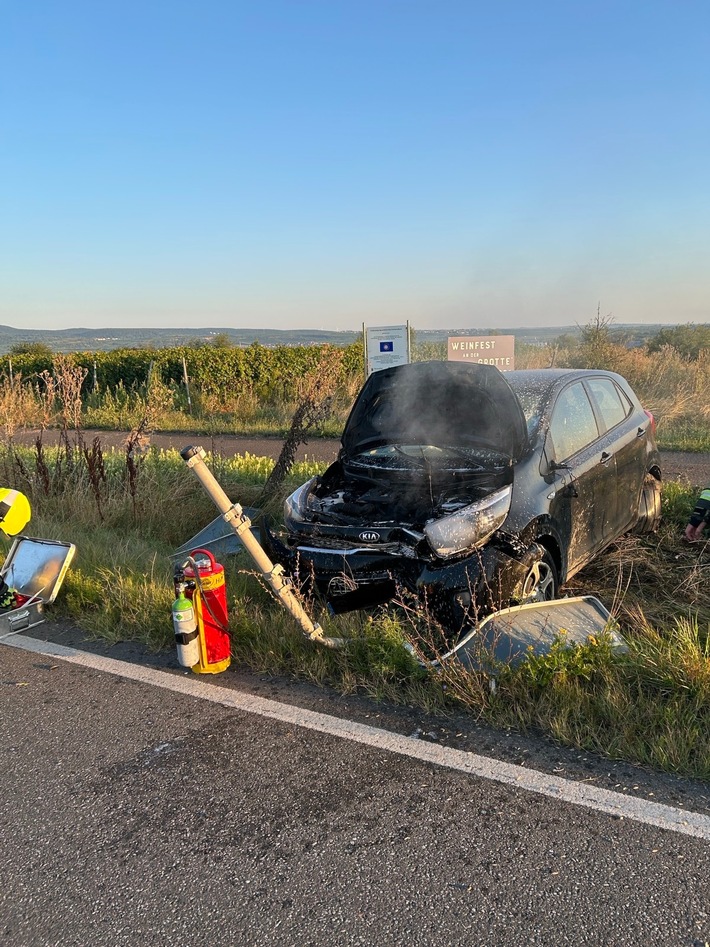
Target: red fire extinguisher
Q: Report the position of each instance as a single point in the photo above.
(206, 587)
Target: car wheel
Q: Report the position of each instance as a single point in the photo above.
(541, 582)
(649, 515)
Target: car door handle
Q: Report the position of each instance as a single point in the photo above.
(606, 457)
(641, 432)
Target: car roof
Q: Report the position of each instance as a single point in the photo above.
(544, 379)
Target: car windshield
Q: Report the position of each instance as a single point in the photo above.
(532, 394)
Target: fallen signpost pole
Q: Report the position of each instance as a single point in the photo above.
(236, 518)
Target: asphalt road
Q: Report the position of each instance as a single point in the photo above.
(134, 815)
(131, 814)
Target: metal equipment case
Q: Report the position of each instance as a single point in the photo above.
(35, 568)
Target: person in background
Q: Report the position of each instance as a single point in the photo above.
(699, 518)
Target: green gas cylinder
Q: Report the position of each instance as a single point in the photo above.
(186, 632)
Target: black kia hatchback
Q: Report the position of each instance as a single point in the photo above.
(473, 489)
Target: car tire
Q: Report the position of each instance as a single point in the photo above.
(649, 513)
(541, 581)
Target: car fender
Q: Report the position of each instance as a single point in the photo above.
(543, 532)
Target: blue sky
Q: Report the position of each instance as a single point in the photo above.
(322, 164)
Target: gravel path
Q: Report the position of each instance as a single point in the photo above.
(680, 465)
(676, 465)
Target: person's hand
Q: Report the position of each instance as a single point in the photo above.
(694, 533)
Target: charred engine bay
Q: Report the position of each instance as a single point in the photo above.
(408, 494)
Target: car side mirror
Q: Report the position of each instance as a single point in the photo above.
(550, 469)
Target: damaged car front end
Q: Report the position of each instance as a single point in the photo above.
(472, 490)
(418, 496)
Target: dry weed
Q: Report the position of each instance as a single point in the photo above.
(315, 393)
(18, 406)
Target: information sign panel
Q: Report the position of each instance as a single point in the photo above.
(385, 346)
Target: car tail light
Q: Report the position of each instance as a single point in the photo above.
(652, 420)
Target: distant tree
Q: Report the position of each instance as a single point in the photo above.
(621, 337)
(221, 341)
(566, 341)
(597, 332)
(596, 348)
(31, 348)
(688, 339)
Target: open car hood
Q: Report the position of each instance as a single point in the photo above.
(446, 404)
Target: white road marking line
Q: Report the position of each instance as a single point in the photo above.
(616, 804)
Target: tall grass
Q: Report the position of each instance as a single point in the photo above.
(126, 510)
(674, 388)
(649, 706)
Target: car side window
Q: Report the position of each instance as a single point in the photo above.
(612, 404)
(573, 424)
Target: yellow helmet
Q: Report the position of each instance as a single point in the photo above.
(14, 511)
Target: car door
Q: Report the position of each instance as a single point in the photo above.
(625, 439)
(584, 499)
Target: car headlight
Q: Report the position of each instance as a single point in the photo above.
(296, 505)
(470, 526)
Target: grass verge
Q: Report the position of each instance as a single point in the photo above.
(650, 706)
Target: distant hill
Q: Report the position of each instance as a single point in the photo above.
(96, 340)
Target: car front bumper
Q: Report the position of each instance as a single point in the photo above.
(361, 576)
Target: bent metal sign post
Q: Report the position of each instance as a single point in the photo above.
(498, 350)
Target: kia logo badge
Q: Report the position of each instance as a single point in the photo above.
(369, 536)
